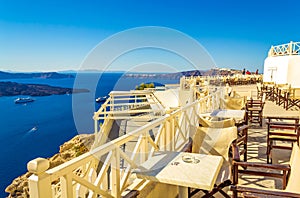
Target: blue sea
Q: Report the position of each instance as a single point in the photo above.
(37, 129)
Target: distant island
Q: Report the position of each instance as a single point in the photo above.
(14, 89)
(54, 75)
(178, 75)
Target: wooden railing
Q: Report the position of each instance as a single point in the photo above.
(99, 172)
(292, 48)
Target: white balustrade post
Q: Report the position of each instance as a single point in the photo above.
(162, 140)
(169, 127)
(193, 117)
(115, 174)
(39, 182)
(112, 108)
(95, 123)
(168, 135)
(144, 152)
(290, 48)
(271, 51)
(66, 186)
(172, 132)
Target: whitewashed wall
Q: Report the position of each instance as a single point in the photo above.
(294, 71)
(283, 69)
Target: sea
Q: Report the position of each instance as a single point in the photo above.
(38, 128)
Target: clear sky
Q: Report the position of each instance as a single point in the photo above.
(38, 35)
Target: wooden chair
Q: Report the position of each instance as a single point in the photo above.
(234, 102)
(242, 140)
(254, 110)
(188, 146)
(290, 175)
(293, 98)
(268, 90)
(281, 129)
(215, 141)
(259, 88)
(281, 93)
(283, 97)
(132, 194)
(215, 122)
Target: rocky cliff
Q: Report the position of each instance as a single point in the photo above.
(73, 148)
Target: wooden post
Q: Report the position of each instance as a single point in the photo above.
(39, 182)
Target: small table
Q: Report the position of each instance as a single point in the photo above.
(168, 167)
(237, 115)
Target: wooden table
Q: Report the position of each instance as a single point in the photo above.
(237, 115)
(169, 168)
(272, 110)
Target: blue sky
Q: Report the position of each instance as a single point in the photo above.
(58, 35)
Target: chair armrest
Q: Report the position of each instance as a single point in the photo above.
(132, 194)
(266, 192)
(243, 127)
(235, 151)
(188, 146)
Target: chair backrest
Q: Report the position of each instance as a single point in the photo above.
(295, 93)
(258, 86)
(214, 122)
(281, 85)
(235, 103)
(214, 141)
(254, 103)
(293, 184)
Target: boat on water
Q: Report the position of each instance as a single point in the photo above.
(35, 128)
(101, 99)
(23, 100)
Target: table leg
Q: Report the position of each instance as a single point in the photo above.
(183, 192)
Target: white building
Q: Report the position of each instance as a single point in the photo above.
(282, 66)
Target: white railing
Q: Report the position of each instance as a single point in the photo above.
(125, 105)
(98, 172)
(235, 79)
(292, 48)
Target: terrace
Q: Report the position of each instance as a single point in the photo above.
(109, 169)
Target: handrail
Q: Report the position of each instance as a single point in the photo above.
(126, 103)
(292, 48)
(88, 173)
